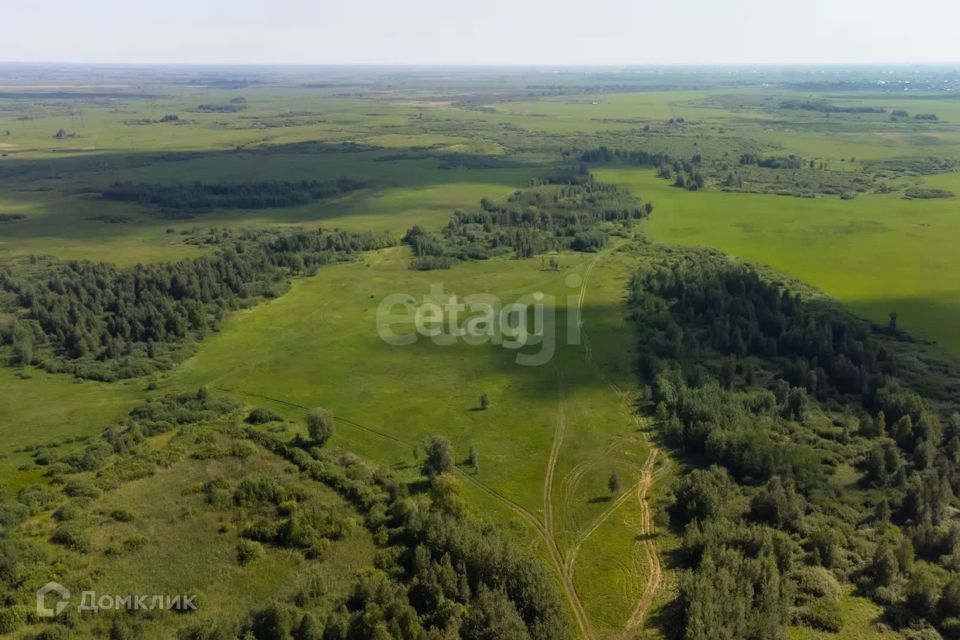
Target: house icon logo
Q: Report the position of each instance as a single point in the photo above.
(55, 590)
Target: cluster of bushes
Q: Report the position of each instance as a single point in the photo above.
(100, 321)
(20, 563)
(446, 571)
(187, 199)
(556, 213)
(926, 193)
(928, 165)
(765, 395)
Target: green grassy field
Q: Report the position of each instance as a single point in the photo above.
(876, 254)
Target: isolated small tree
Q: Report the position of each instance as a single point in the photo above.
(60, 134)
(439, 457)
(485, 401)
(473, 459)
(614, 483)
(894, 316)
(320, 425)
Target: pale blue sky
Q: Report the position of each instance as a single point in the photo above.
(480, 32)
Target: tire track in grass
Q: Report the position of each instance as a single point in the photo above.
(641, 490)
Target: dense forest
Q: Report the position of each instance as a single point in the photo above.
(184, 200)
(811, 464)
(566, 211)
(99, 321)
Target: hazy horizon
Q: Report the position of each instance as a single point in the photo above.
(501, 33)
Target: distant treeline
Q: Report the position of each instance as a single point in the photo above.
(810, 463)
(100, 321)
(772, 162)
(824, 106)
(638, 157)
(560, 212)
(685, 173)
(197, 197)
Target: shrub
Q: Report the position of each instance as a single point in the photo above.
(72, 536)
(254, 490)
(263, 416)
(121, 515)
(248, 551)
(823, 614)
(54, 632)
(12, 619)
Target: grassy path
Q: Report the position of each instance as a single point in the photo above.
(640, 490)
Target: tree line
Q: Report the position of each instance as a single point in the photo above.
(561, 212)
(100, 321)
(184, 199)
(766, 396)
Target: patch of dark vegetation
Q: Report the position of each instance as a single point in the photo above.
(640, 158)
(772, 162)
(109, 219)
(473, 161)
(569, 210)
(11, 217)
(260, 415)
(221, 108)
(99, 321)
(147, 121)
(823, 106)
(926, 193)
(187, 199)
(773, 400)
